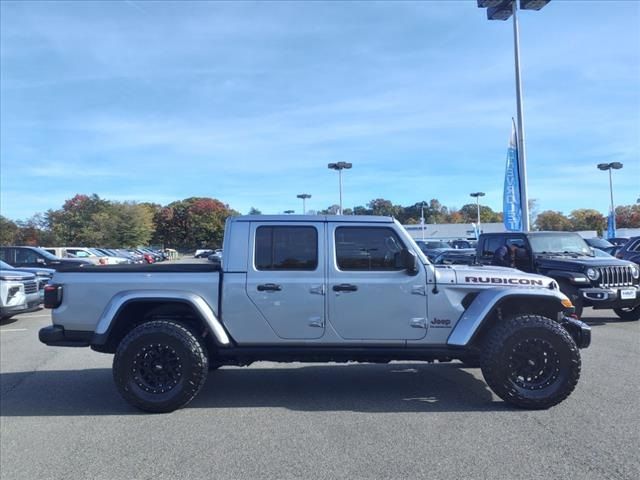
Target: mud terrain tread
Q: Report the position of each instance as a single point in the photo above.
(495, 369)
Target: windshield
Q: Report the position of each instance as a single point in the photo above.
(559, 243)
(5, 266)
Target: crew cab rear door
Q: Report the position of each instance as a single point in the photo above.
(369, 296)
(286, 277)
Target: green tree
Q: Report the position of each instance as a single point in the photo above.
(195, 222)
(254, 211)
(8, 231)
(554, 221)
(82, 220)
(469, 214)
(587, 219)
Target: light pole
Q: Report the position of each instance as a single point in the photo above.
(611, 166)
(502, 10)
(339, 166)
(422, 219)
(477, 196)
(304, 197)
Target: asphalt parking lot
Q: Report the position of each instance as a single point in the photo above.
(61, 417)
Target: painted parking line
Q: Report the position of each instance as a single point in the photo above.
(35, 316)
(3, 330)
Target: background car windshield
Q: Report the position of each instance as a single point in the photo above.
(45, 254)
(437, 245)
(554, 243)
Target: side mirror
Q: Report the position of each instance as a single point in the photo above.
(40, 260)
(409, 261)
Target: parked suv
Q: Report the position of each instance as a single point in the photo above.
(36, 257)
(630, 251)
(18, 293)
(564, 256)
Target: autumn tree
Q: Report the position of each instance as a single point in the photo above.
(628, 216)
(195, 222)
(554, 221)
(8, 231)
(587, 219)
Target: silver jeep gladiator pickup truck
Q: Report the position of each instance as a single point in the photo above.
(317, 289)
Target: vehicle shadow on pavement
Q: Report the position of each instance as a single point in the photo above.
(599, 321)
(401, 387)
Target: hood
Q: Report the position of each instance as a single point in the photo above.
(40, 272)
(69, 262)
(490, 275)
(576, 263)
(16, 275)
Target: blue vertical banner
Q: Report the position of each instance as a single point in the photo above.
(611, 225)
(511, 205)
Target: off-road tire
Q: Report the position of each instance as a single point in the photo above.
(574, 295)
(160, 366)
(628, 314)
(531, 362)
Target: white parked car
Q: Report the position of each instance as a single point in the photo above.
(91, 254)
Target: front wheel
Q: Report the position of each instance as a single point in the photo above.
(160, 366)
(629, 313)
(531, 361)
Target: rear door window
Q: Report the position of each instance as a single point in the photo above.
(286, 248)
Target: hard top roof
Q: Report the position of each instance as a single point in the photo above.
(313, 218)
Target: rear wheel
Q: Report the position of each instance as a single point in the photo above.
(160, 366)
(531, 362)
(629, 313)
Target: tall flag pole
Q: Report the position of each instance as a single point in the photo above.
(611, 224)
(511, 203)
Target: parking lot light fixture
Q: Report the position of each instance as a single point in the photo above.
(339, 166)
(609, 167)
(304, 197)
(502, 10)
(477, 196)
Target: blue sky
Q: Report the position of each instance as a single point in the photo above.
(248, 102)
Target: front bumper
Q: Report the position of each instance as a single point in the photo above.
(57, 336)
(21, 308)
(600, 298)
(579, 331)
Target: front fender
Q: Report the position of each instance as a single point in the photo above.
(575, 278)
(485, 304)
(120, 300)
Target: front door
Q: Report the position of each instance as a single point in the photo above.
(286, 277)
(371, 296)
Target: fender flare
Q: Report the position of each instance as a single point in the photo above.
(122, 299)
(484, 305)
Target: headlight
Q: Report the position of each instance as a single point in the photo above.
(593, 274)
(635, 271)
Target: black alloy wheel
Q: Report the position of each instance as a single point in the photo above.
(160, 366)
(531, 361)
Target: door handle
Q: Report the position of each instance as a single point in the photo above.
(345, 287)
(269, 287)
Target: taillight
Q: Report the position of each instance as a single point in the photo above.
(52, 296)
(103, 261)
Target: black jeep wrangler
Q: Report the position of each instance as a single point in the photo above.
(589, 281)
